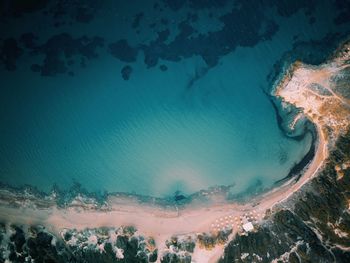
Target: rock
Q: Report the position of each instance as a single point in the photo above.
(126, 72)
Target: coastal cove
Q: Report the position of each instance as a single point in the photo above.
(175, 131)
(162, 222)
(157, 222)
(115, 113)
(151, 146)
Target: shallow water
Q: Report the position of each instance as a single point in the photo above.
(195, 125)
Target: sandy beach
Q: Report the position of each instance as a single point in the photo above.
(162, 224)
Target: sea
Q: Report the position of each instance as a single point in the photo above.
(155, 97)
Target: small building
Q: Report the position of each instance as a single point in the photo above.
(248, 227)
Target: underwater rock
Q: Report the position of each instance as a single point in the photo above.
(163, 67)
(9, 53)
(60, 51)
(123, 51)
(126, 72)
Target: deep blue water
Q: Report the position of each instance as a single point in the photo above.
(154, 96)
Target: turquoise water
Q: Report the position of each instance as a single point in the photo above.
(149, 135)
(187, 128)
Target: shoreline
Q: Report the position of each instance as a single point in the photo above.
(161, 223)
(297, 170)
(121, 203)
(63, 197)
(213, 195)
(154, 220)
(87, 200)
